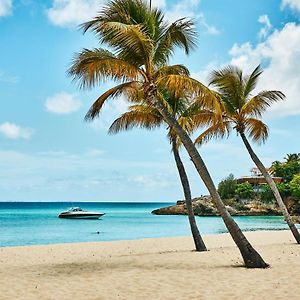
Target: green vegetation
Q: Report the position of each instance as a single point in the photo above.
(227, 187)
(288, 168)
(289, 189)
(244, 190)
(294, 186)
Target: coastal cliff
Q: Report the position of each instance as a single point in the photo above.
(203, 206)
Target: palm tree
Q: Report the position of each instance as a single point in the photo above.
(242, 111)
(143, 43)
(148, 117)
(292, 157)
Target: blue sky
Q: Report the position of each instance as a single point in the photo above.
(47, 151)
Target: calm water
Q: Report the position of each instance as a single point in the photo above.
(37, 223)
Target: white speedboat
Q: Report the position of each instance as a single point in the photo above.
(78, 213)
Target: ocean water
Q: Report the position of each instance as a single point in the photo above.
(36, 223)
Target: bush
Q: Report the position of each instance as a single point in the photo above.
(266, 195)
(226, 187)
(294, 186)
(244, 190)
(286, 170)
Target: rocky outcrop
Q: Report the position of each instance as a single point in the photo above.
(204, 206)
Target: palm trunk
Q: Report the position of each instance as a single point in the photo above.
(199, 244)
(251, 257)
(273, 187)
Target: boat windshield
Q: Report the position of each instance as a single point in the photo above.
(75, 209)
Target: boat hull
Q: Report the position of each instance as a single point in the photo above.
(80, 216)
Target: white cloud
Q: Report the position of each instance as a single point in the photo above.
(70, 13)
(189, 9)
(153, 181)
(14, 132)
(209, 28)
(94, 152)
(5, 8)
(264, 19)
(280, 55)
(292, 4)
(159, 3)
(186, 8)
(75, 176)
(8, 78)
(62, 103)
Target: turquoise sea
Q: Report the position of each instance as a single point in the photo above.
(36, 223)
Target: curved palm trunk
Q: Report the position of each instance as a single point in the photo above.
(199, 244)
(273, 187)
(251, 257)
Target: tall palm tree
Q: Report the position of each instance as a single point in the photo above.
(292, 157)
(145, 116)
(143, 43)
(242, 111)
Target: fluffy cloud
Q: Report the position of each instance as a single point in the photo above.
(184, 8)
(159, 3)
(62, 103)
(76, 176)
(14, 132)
(189, 9)
(292, 4)
(69, 13)
(264, 19)
(280, 56)
(5, 8)
(8, 78)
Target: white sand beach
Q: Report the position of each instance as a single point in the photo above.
(164, 268)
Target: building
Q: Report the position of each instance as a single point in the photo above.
(256, 179)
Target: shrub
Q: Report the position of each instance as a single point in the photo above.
(294, 186)
(244, 190)
(226, 187)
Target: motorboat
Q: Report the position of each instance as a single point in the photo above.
(78, 213)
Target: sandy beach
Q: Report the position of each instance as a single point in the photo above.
(164, 268)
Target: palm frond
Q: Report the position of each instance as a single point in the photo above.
(230, 84)
(178, 83)
(172, 70)
(141, 116)
(89, 67)
(257, 130)
(181, 34)
(131, 42)
(251, 81)
(216, 131)
(205, 118)
(111, 93)
(259, 103)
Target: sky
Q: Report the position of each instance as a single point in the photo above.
(48, 152)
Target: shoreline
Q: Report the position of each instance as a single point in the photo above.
(152, 268)
(146, 238)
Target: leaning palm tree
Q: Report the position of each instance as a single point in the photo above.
(142, 43)
(242, 111)
(146, 116)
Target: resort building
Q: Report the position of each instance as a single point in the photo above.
(256, 179)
